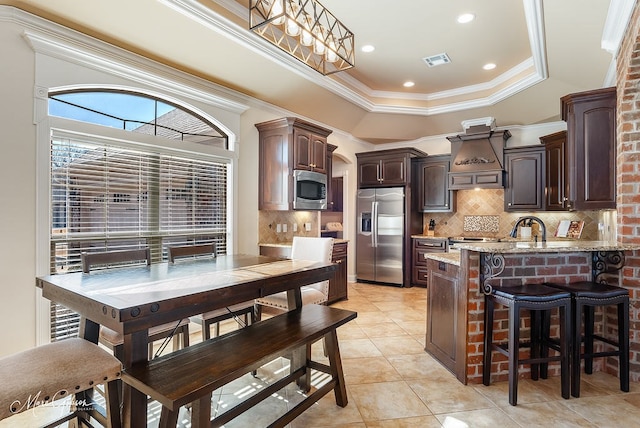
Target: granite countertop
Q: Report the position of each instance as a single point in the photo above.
(545, 247)
(451, 258)
(428, 237)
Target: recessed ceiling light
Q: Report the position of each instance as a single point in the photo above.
(408, 84)
(466, 17)
(489, 66)
(368, 48)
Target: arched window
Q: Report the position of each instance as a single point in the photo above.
(136, 113)
(111, 193)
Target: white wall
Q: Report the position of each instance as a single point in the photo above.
(17, 192)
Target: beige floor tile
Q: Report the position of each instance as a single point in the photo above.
(447, 395)
(402, 345)
(351, 331)
(417, 366)
(417, 422)
(325, 413)
(383, 330)
(484, 418)
(387, 400)
(606, 411)
(372, 318)
(528, 392)
(549, 414)
(407, 315)
(358, 348)
(368, 370)
(415, 328)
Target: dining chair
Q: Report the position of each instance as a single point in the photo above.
(206, 320)
(115, 340)
(43, 375)
(302, 248)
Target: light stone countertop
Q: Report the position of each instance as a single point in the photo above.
(545, 247)
(451, 258)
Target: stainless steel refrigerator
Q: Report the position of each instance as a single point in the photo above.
(380, 235)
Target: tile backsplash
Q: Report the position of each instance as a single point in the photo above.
(481, 213)
(268, 222)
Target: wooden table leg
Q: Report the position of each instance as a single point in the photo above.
(335, 362)
(134, 409)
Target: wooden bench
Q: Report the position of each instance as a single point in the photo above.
(190, 375)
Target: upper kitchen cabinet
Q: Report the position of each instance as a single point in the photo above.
(556, 168)
(310, 147)
(431, 184)
(524, 178)
(590, 149)
(386, 168)
(284, 145)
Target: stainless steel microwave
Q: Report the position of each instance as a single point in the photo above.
(309, 190)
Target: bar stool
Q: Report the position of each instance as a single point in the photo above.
(41, 375)
(536, 298)
(585, 297)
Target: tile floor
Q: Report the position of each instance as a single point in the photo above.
(392, 382)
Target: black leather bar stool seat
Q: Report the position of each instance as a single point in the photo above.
(537, 298)
(586, 296)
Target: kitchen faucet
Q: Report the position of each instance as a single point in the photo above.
(514, 231)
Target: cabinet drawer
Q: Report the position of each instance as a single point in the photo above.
(339, 251)
(420, 275)
(430, 244)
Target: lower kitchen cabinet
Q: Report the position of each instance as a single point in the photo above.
(420, 246)
(338, 285)
(446, 318)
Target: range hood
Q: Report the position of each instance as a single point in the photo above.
(477, 158)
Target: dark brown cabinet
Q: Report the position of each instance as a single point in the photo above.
(338, 285)
(337, 192)
(591, 149)
(524, 178)
(446, 326)
(556, 193)
(432, 184)
(284, 145)
(386, 168)
(420, 247)
(310, 150)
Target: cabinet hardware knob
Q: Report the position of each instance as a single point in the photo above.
(509, 204)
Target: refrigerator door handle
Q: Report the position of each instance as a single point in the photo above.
(374, 224)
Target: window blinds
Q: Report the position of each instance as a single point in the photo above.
(108, 197)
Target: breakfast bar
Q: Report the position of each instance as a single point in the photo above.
(481, 266)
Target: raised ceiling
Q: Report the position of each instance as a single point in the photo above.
(542, 51)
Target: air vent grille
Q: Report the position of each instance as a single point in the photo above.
(435, 60)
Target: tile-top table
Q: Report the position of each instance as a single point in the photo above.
(130, 300)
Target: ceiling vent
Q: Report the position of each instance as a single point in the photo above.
(439, 59)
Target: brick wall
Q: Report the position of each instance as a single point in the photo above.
(518, 269)
(628, 183)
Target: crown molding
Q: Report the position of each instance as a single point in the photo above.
(46, 37)
(618, 17)
(361, 95)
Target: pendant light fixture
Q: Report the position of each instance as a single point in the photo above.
(305, 30)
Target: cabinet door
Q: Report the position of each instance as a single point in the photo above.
(338, 284)
(275, 186)
(318, 154)
(555, 171)
(310, 151)
(336, 194)
(393, 171)
(443, 315)
(369, 173)
(591, 148)
(432, 185)
(525, 186)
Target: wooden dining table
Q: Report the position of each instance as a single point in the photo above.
(130, 300)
